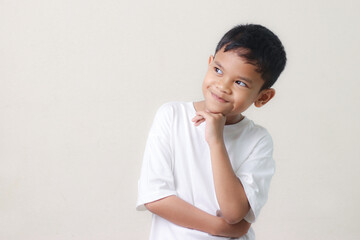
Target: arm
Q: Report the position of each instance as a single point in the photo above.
(181, 213)
(230, 193)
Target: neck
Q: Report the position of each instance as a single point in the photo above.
(233, 119)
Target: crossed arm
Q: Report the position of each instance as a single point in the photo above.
(230, 193)
(181, 213)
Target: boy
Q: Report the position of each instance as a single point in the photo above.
(207, 168)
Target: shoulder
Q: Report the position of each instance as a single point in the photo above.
(168, 116)
(171, 106)
(164, 118)
(172, 109)
(250, 128)
(261, 136)
(258, 130)
(257, 135)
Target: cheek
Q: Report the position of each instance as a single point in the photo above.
(206, 83)
(243, 101)
(203, 87)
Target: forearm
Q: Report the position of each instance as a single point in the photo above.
(181, 213)
(230, 193)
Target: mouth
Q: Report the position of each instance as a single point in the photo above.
(219, 99)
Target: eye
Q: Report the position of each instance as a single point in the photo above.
(217, 70)
(240, 83)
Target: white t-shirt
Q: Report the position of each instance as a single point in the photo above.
(177, 162)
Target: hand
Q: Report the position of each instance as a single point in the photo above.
(214, 125)
(233, 230)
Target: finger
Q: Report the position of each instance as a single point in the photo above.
(210, 116)
(197, 118)
(197, 123)
(215, 113)
(204, 114)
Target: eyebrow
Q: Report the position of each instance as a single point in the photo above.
(240, 77)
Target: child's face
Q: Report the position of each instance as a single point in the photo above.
(231, 85)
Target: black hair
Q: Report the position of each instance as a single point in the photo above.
(260, 47)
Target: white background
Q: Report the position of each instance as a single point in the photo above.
(80, 81)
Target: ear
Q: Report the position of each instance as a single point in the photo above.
(211, 59)
(264, 96)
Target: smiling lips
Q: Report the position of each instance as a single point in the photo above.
(219, 99)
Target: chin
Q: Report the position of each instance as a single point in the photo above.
(215, 109)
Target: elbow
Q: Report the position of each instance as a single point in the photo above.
(232, 220)
(233, 217)
(235, 214)
(150, 206)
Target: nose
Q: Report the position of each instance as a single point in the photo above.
(223, 85)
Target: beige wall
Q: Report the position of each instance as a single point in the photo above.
(80, 81)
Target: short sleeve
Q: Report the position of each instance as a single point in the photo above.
(255, 175)
(156, 178)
